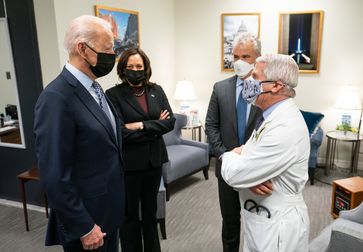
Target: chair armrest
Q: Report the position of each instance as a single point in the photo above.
(201, 145)
(195, 144)
(317, 137)
(355, 214)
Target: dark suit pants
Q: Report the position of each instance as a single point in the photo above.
(231, 214)
(141, 187)
(110, 245)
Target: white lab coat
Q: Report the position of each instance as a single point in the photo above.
(277, 151)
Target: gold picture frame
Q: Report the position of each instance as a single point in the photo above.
(300, 36)
(125, 27)
(232, 24)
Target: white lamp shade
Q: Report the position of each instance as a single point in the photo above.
(184, 91)
(348, 99)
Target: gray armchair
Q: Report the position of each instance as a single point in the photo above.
(186, 157)
(343, 234)
(312, 120)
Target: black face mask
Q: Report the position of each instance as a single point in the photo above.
(135, 77)
(104, 65)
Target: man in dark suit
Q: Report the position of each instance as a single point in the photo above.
(78, 144)
(229, 123)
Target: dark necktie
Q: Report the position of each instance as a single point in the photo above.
(103, 103)
(259, 121)
(241, 118)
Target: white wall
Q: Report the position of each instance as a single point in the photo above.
(198, 48)
(183, 40)
(156, 35)
(47, 39)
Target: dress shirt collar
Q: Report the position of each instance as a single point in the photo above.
(80, 76)
(269, 110)
(239, 82)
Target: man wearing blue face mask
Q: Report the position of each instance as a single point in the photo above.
(229, 123)
(79, 144)
(279, 148)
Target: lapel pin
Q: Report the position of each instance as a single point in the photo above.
(152, 95)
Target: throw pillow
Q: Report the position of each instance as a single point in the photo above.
(312, 120)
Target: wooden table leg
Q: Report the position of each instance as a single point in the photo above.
(23, 195)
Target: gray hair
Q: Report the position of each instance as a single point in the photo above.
(82, 29)
(282, 68)
(245, 37)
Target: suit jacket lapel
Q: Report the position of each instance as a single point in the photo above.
(231, 100)
(90, 103)
(95, 109)
(117, 122)
(151, 99)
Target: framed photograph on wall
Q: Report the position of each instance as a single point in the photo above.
(232, 25)
(300, 35)
(125, 27)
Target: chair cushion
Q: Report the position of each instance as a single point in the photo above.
(312, 120)
(184, 160)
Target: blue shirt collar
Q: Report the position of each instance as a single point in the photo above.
(239, 82)
(269, 110)
(80, 76)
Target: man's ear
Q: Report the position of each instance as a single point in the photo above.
(278, 85)
(81, 48)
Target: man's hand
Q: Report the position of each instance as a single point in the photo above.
(238, 150)
(164, 114)
(93, 240)
(263, 189)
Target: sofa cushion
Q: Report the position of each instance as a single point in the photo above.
(312, 120)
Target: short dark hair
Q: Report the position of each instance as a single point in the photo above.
(122, 63)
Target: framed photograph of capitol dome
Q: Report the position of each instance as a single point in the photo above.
(300, 35)
(124, 25)
(232, 25)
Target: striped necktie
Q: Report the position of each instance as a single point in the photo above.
(103, 104)
(101, 98)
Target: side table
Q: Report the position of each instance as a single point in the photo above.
(31, 174)
(194, 129)
(339, 136)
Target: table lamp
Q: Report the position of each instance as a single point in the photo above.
(349, 102)
(184, 92)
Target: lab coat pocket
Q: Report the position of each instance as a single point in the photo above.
(261, 233)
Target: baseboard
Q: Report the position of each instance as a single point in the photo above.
(20, 205)
(342, 164)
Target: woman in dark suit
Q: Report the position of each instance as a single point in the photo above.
(147, 115)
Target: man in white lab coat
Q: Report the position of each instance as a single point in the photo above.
(271, 169)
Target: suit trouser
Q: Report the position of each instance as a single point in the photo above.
(110, 244)
(141, 187)
(231, 214)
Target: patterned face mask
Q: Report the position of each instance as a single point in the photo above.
(252, 89)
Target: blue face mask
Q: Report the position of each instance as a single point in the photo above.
(252, 89)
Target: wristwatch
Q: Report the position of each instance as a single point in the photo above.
(141, 126)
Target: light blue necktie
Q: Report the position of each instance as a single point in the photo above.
(241, 118)
(103, 103)
(101, 98)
